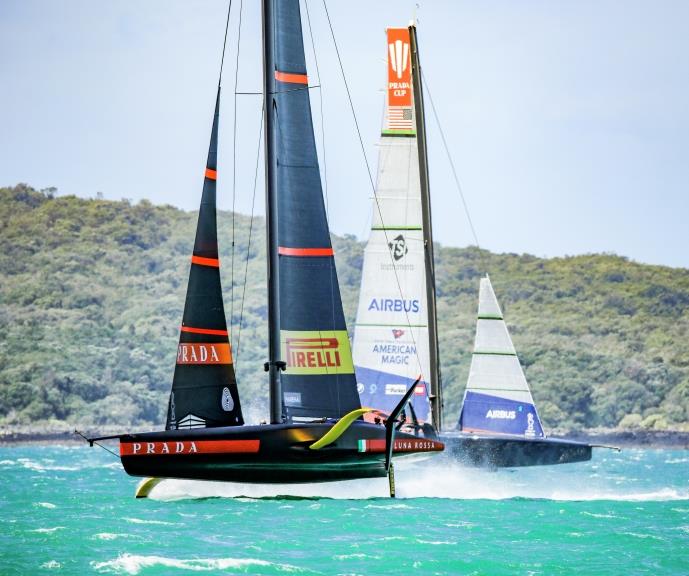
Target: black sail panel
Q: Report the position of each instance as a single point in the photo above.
(204, 388)
(319, 379)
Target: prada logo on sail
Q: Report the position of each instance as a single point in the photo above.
(188, 353)
(317, 352)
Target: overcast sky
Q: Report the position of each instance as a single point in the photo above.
(568, 121)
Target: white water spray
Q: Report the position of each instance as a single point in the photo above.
(599, 479)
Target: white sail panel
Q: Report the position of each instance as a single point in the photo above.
(488, 306)
(390, 289)
(391, 333)
(492, 338)
(388, 361)
(503, 374)
(398, 187)
(398, 213)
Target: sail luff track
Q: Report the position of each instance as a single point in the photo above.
(436, 396)
(274, 363)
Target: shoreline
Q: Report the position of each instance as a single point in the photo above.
(655, 439)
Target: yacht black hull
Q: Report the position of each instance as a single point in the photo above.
(273, 454)
(506, 452)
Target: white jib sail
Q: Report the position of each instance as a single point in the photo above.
(391, 332)
(497, 397)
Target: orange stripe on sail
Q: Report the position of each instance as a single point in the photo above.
(203, 331)
(305, 251)
(291, 78)
(211, 174)
(201, 261)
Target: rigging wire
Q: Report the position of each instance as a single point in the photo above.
(333, 271)
(320, 100)
(248, 248)
(97, 444)
(224, 42)
(370, 177)
(454, 173)
(234, 160)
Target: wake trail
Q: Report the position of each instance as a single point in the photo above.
(446, 480)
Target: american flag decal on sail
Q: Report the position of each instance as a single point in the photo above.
(399, 118)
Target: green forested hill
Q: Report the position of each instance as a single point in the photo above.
(91, 297)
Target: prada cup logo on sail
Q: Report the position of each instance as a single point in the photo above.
(215, 353)
(399, 56)
(399, 74)
(317, 352)
(398, 247)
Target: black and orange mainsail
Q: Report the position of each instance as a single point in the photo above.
(204, 388)
(318, 380)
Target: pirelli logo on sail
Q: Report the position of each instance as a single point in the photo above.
(215, 353)
(317, 352)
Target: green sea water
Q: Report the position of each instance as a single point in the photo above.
(70, 510)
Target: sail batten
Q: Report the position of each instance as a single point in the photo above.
(497, 398)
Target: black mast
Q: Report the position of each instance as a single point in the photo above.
(274, 364)
(436, 389)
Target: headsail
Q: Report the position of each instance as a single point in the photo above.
(319, 377)
(497, 397)
(391, 337)
(204, 388)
